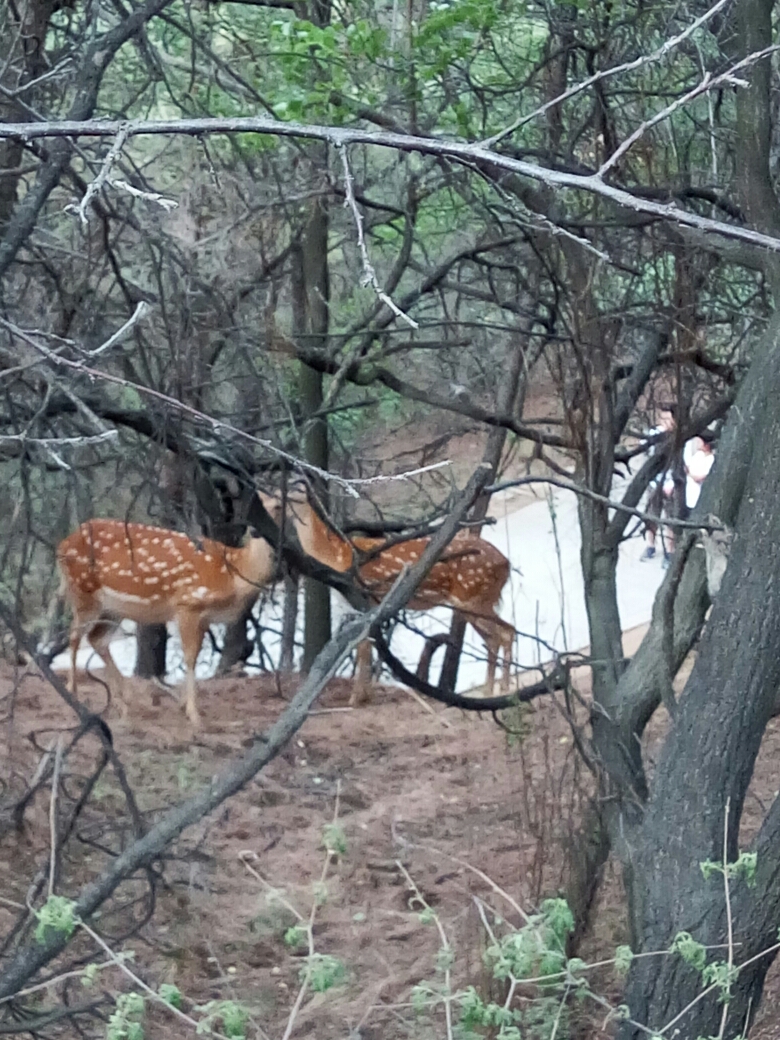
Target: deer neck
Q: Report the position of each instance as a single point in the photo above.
(319, 541)
(253, 563)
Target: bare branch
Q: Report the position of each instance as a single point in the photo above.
(468, 154)
(628, 66)
(578, 489)
(707, 84)
(140, 312)
(111, 157)
(369, 274)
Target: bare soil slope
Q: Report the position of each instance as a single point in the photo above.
(447, 795)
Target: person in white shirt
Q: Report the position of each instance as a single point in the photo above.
(697, 468)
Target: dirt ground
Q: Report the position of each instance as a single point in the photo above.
(475, 818)
(445, 794)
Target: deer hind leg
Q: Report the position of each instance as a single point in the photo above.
(74, 641)
(499, 637)
(485, 630)
(192, 628)
(99, 636)
(361, 688)
(506, 639)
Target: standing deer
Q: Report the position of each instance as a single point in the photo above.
(469, 577)
(113, 570)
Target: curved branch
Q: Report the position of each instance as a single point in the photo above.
(491, 162)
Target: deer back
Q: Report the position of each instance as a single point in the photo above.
(140, 571)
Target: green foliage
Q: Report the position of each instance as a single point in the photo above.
(323, 972)
(170, 994)
(623, 958)
(744, 867)
(320, 891)
(426, 916)
(296, 936)
(320, 66)
(57, 914)
(537, 949)
(334, 839)
(126, 1022)
(721, 975)
(227, 1016)
(691, 951)
(533, 955)
(89, 976)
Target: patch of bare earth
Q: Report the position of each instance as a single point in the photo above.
(438, 792)
(445, 794)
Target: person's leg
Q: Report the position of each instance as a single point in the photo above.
(654, 505)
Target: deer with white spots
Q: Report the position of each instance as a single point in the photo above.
(469, 577)
(113, 570)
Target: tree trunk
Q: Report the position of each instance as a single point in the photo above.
(237, 647)
(707, 762)
(289, 622)
(313, 294)
(507, 401)
(150, 651)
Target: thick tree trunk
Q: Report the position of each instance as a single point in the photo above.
(708, 761)
(315, 314)
(313, 293)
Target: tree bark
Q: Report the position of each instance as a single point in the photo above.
(237, 647)
(150, 651)
(506, 403)
(314, 296)
(707, 762)
(289, 621)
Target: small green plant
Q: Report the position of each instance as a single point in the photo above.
(170, 994)
(538, 948)
(691, 951)
(320, 893)
(323, 972)
(722, 976)
(228, 1016)
(89, 976)
(57, 914)
(531, 955)
(296, 936)
(126, 1022)
(623, 958)
(334, 839)
(744, 867)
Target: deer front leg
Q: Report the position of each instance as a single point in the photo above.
(192, 628)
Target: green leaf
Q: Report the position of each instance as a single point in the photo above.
(57, 914)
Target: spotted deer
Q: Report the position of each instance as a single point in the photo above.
(113, 570)
(469, 577)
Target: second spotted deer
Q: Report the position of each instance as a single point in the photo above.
(469, 577)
